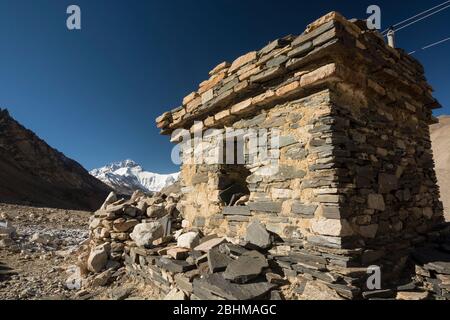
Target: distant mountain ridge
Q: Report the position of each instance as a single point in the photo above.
(127, 176)
(440, 137)
(33, 173)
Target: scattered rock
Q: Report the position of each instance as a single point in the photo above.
(112, 197)
(42, 238)
(145, 233)
(247, 267)
(178, 253)
(217, 261)
(97, 258)
(6, 228)
(188, 240)
(102, 279)
(176, 295)
(409, 295)
(208, 245)
(215, 287)
(258, 235)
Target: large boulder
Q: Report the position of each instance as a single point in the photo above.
(98, 258)
(145, 233)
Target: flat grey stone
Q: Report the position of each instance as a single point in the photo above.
(275, 62)
(304, 209)
(258, 235)
(217, 261)
(266, 206)
(215, 287)
(237, 211)
(232, 249)
(287, 141)
(247, 267)
(174, 266)
(300, 50)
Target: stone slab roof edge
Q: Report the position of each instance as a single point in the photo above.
(249, 72)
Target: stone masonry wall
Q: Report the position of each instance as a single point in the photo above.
(356, 184)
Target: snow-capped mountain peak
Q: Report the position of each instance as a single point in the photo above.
(127, 176)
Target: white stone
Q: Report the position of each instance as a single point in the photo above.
(331, 227)
(42, 238)
(412, 295)
(188, 240)
(177, 234)
(98, 258)
(145, 233)
(7, 228)
(109, 200)
(175, 295)
(185, 224)
(75, 280)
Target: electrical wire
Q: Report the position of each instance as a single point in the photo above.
(431, 45)
(447, 3)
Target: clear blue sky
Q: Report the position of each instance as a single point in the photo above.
(94, 94)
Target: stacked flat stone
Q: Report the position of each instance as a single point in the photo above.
(208, 267)
(433, 267)
(355, 185)
(112, 227)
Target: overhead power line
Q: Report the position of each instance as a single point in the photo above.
(431, 45)
(418, 17)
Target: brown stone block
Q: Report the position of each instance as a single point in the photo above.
(194, 104)
(220, 67)
(242, 107)
(211, 83)
(242, 60)
(319, 75)
(264, 98)
(288, 89)
(190, 97)
(249, 73)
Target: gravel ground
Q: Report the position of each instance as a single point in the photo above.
(36, 264)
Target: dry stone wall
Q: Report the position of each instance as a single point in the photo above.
(354, 184)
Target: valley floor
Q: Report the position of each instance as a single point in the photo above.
(36, 264)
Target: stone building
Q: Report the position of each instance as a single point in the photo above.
(354, 182)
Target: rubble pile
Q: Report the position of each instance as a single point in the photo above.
(117, 227)
(183, 263)
(209, 267)
(433, 268)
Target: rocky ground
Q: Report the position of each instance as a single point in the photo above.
(38, 257)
